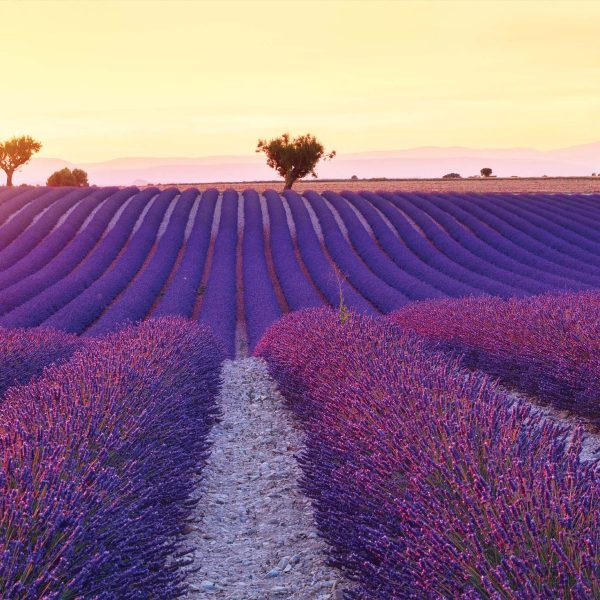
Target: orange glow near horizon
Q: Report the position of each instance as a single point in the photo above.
(95, 81)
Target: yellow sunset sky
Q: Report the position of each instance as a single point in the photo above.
(99, 80)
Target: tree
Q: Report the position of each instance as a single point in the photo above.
(80, 178)
(451, 176)
(486, 172)
(294, 159)
(66, 177)
(16, 152)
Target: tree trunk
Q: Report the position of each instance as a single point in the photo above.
(289, 182)
(9, 176)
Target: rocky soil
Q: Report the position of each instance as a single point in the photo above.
(254, 535)
(520, 185)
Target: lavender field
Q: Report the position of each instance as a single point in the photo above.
(88, 261)
(439, 353)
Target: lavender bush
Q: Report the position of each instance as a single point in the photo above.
(219, 304)
(547, 346)
(99, 459)
(24, 353)
(429, 482)
(260, 302)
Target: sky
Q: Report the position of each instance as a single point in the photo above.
(99, 80)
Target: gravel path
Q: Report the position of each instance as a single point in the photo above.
(254, 536)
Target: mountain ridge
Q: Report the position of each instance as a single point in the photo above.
(418, 162)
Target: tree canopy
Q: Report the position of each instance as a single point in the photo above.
(66, 177)
(294, 159)
(16, 152)
(486, 172)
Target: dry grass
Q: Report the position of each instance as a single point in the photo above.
(568, 185)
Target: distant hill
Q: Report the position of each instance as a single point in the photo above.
(413, 162)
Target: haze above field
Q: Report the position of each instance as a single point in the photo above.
(414, 162)
(94, 81)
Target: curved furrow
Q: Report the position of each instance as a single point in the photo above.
(583, 222)
(537, 256)
(58, 294)
(44, 239)
(426, 251)
(375, 259)
(564, 227)
(299, 292)
(261, 308)
(182, 292)
(138, 297)
(445, 251)
(474, 239)
(561, 211)
(536, 217)
(400, 251)
(82, 311)
(457, 242)
(54, 242)
(266, 225)
(33, 235)
(7, 193)
(13, 200)
(585, 204)
(327, 278)
(511, 255)
(378, 292)
(219, 304)
(562, 215)
(15, 226)
(89, 260)
(60, 254)
(545, 243)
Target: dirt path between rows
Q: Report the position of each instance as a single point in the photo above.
(254, 535)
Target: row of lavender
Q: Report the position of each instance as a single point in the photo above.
(87, 261)
(99, 457)
(429, 481)
(547, 346)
